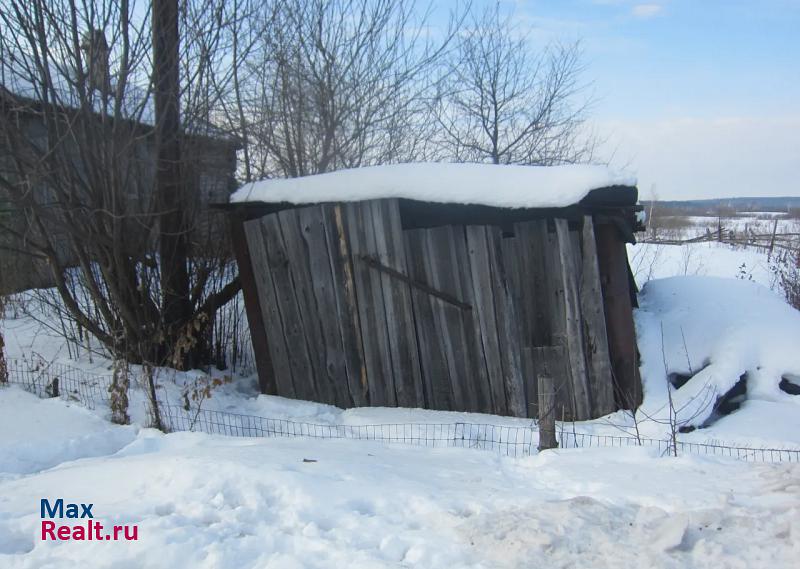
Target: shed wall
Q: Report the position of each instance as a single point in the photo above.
(359, 311)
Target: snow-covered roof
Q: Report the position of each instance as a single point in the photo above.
(484, 184)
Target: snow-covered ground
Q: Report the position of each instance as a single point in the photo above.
(651, 261)
(208, 501)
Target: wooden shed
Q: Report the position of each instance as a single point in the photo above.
(443, 286)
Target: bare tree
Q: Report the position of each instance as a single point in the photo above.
(502, 103)
(336, 84)
(78, 160)
(106, 104)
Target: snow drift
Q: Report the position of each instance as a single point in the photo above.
(709, 334)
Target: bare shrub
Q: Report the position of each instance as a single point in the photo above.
(118, 393)
(785, 266)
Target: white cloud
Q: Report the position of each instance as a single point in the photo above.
(688, 158)
(647, 11)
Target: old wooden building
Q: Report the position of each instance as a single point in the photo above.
(442, 286)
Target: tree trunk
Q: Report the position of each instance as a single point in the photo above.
(173, 248)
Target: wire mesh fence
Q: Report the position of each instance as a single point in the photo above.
(572, 439)
(512, 441)
(509, 440)
(56, 380)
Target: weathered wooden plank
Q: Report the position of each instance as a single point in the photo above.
(346, 304)
(397, 304)
(536, 248)
(597, 356)
(507, 328)
(252, 306)
(270, 313)
(614, 277)
(476, 391)
(483, 306)
(369, 297)
(553, 287)
(448, 265)
(542, 297)
(530, 381)
(575, 238)
(322, 317)
(291, 318)
(497, 328)
(574, 326)
(523, 295)
(437, 381)
(295, 239)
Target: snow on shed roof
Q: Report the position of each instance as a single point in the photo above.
(508, 186)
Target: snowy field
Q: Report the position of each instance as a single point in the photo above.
(212, 501)
(208, 502)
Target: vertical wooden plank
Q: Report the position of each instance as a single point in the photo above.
(446, 260)
(270, 312)
(252, 305)
(544, 300)
(477, 389)
(507, 328)
(549, 307)
(291, 318)
(614, 277)
(529, 380)
(369, 295)
(346, 303)
(397, 304)
(312, 323)
(576, 251)
(597, 356)
(555, 334)
(520, 278)
(437, 381)
(448, 270)
(483, 291)
(495, 316)
(574, 328)
(317, 290)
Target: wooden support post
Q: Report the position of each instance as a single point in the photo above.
(252, 307)
(547, 413)
(548, 362)
(614, 276)
(772, 240)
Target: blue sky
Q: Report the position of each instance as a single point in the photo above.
(701, 98)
